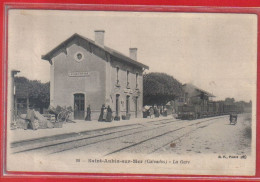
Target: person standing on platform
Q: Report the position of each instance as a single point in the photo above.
(161, 110)
(101, 113)
(109, 114)
(156, 112)
(151, 111)
(88, 117)
(105, 114)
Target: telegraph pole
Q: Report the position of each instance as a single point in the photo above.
(13, 73)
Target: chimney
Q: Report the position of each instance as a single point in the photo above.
(99, 37)
(133, 53)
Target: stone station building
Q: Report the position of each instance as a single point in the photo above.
(85, 72)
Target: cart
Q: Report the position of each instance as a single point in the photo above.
(62, 114)
(233, 119)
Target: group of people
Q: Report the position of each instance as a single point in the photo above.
(105, 114)
(154, 111)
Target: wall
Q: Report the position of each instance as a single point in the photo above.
(99, 85)
(92, 85)
(122, 90)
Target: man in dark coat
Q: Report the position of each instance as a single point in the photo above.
(88, 117)
(156, 112)
(151, 112)
(109, 114)
(101, 113)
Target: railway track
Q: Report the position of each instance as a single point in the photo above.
(37, 144)
(178, 138)
(69, 135)
(106, 136)
(187, 129)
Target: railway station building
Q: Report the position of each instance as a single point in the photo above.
(84, 72)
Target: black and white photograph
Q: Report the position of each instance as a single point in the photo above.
(131, 92)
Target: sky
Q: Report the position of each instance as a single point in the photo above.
(214, 51)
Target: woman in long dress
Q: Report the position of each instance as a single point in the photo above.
(109, 114)
(105, 114)
(88, 117)
(101, 113)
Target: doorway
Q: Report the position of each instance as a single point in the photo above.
(127, 104)
(117, 104)
(136, 106)
(79, 106)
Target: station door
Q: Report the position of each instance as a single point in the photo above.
(79, 106)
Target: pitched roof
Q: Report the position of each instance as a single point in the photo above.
(198, 89)
(111, 51)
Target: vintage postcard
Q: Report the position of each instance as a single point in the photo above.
(131, 92)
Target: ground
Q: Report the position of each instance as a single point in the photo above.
(216, 137)
(158, 136)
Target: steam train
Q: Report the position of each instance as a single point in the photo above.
(207, 109)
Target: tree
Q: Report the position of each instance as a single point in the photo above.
(160, 88)
(38, 93)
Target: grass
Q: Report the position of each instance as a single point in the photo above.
(248, 129)
(248, 132)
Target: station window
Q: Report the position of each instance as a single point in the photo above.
(136, 80)
(79, 56)
(127, 78)
(117, 73)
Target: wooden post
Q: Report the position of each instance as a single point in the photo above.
(27, 103)
(13, 73)
(15, 107)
